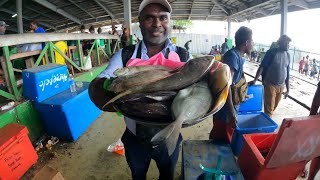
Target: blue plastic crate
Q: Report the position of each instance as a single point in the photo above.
(67, 115)
(42, 82)
(206, 152)
(250, 119)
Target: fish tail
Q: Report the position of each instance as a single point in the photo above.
(117, 97)
(169, 135)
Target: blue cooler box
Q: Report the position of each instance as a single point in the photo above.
(207, 153)
(67, 115)
(42, 82)
(251, 119)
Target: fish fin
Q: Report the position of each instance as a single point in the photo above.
(169, 135)
(117, 97)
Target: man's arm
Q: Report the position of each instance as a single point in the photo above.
(230, 104)
(287, 82)
(258, 74)
(316, 102)
(98, 95)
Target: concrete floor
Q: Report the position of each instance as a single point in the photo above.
(89, 159)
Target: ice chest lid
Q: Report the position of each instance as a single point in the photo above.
(43, 68)
(298, 140)
(10, 133)
(66, 95)
(255, 101)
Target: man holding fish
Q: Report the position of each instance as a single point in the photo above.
(154, 19)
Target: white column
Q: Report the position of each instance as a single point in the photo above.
(19, 16)
(229, 27)
(284, 11)
(127, 14)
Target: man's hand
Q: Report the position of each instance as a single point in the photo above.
(252, 82)
(286, 94)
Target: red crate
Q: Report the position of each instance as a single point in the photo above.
(281, 155)
(17, 154)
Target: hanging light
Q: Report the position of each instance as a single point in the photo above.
(14, 15)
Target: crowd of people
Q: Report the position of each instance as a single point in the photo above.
(309, 67)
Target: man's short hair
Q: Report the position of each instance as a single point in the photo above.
(34, 22)
(284, 38)
(242, 35)
(91, 28)
(82, 27)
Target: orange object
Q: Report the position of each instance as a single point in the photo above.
(119, 150)
(17, 154)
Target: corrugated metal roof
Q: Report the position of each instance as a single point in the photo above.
(100, 12)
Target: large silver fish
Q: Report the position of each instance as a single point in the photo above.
(134, 69)
(180, 78)
(190, 104)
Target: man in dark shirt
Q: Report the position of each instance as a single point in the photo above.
(224, 46)
(275, 71)
(224, 120)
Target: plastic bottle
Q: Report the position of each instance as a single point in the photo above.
(72, 84)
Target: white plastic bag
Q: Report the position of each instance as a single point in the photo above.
(117, 147)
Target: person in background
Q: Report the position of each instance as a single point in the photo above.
(262, 53)
(275, 71)
(114, 41)
(3, 28)
(91, 30)
(224, 46)
(125, 37)
(306, 67)
(83, 29)
(99, 30)
(314, 69)
(137, 39)
(301, 65)
(35, 28)
(225, 120)
(187, 45)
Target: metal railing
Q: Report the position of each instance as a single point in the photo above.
(14, 90)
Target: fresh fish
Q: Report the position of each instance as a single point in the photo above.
(219, 79)
(123, 83)
(178, 79)
(190, 104)
(134, 69)
(147, 107)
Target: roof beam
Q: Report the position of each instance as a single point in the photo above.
(197, 13)
(27, 18)
(3, 2)
(39, 12)
(220, 6)
(80, 7)
(191, 10)
(300, 3)
(54, 8)
(252, 5)
(104, 8)
(262, 11)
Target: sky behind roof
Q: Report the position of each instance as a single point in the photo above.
(303, 28)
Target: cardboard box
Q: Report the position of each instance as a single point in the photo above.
(48, 173)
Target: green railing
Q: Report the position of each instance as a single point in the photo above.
(14, 89)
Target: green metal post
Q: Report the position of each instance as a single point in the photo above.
(96, 42)
(109, 47)
(11, 73)
(51, 52)
(42, 54)
(80, 53)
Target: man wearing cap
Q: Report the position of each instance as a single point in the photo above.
(154, 19)
(275, 71)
